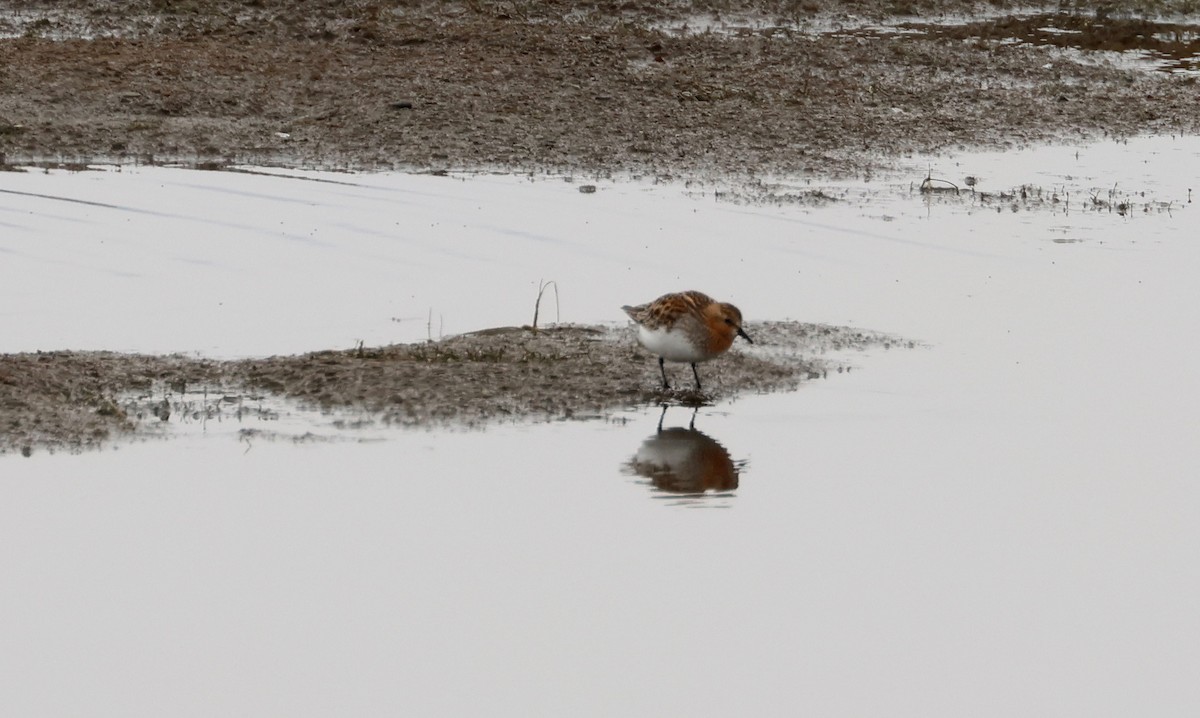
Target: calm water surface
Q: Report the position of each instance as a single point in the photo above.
(998, 523)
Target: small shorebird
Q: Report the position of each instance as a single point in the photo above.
(687, 327)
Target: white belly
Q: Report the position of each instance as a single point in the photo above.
(672, 346)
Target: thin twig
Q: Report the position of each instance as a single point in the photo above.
(542, 287)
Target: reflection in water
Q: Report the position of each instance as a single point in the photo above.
(685, 461)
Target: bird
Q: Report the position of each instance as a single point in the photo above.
(686, 327)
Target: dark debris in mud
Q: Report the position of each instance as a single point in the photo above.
(1115, 201)
(79, 400)
(73, 399)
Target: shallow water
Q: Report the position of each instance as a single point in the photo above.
(1162, 45)
(1168, 45)
(998, 523)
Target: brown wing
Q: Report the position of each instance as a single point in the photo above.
(695, 301)
(670, 308)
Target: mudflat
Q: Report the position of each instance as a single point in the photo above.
(666, 89)
(646, 88)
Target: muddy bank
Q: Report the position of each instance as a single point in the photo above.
(649, 88)
(79, 400)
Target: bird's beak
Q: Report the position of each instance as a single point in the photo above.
(742, 333)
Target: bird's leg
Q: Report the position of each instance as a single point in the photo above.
(697, 375)
(692, 423)
(662, 416)
(663, 369)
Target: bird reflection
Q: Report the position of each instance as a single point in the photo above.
(685, 461)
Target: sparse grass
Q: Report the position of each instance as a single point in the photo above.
(932, 185)
(537, 305)
(1034, 198)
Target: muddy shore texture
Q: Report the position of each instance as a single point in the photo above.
(596, 87)
(709, 89)
(79, 400)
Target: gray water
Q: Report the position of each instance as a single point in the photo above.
(999, 522)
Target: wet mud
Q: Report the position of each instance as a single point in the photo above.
(631, 88)
(80, 400)
(1167, 46)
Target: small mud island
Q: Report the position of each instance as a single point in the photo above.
(77, 400)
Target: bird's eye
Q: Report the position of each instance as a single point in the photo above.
(729, 322)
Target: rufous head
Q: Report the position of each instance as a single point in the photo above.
(725, 321)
